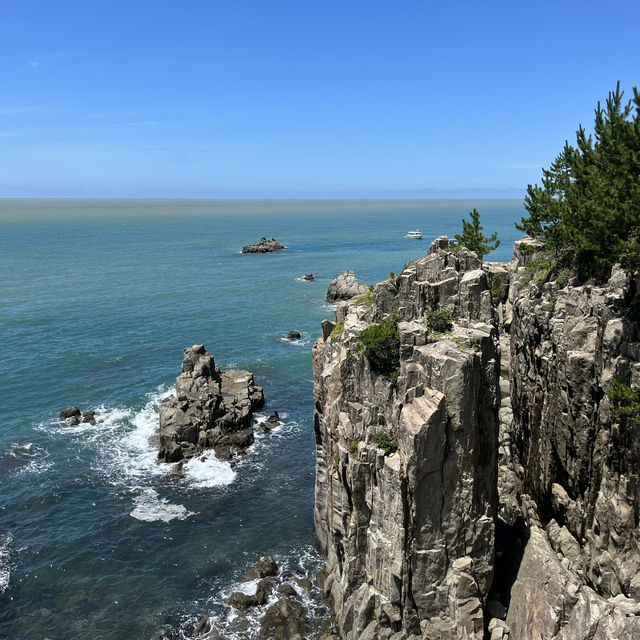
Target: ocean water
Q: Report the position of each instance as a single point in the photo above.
(98, 299)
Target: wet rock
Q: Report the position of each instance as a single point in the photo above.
(305, 583)
(263, 246)
(70, 412)
(345, 287)
(203, 626)
(293, 335)
(243, 601)
(89, 417)
(265, 567)
(285, 619)
(287, 590)
(212, 409)
(308, 276)
(73, 416)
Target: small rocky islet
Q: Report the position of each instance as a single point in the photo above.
(263, 246)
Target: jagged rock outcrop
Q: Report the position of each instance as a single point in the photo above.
(391, 524)
(549, 601)
(73, 416)
(409, 535)
(212, 409)
(575, 461)
(345, 287)
(264, 246)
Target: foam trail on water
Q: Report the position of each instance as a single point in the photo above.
(151, 508)
(5, 568)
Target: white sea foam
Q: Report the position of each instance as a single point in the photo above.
(5, 555)
(206, 470)
(151, 508)
(303, 341)
(36, 458)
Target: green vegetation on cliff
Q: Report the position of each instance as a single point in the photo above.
(587, 209)
(473, 238)
(381, 345)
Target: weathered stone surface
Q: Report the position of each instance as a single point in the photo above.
(575, 459)
(345, 287)
(549, 602)
(212, 409)
(264, 568)
(264, 246)
(409, 537)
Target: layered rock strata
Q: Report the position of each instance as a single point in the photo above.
(345, 287)
(409, 534)
(212, 409)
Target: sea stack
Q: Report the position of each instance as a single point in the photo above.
(212, 409)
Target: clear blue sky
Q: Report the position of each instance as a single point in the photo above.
(300, 98)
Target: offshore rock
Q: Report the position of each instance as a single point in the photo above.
(264, 246)
(212, 409)
(409, 535)
(73, 416)
(345, 287)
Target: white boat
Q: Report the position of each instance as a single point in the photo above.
(416, 234)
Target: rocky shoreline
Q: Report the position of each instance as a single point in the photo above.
(491, 491)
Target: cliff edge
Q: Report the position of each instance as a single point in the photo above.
(489, 485)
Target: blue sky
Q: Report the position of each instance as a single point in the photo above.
(299, 99)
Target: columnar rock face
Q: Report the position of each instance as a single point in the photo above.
(409, 533)
(575, 458)
(212, 409)
(506, 417)
(345, 287)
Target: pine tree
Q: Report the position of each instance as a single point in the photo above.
(587, 210)
(473, 238)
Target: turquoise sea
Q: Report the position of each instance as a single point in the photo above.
(98, 299)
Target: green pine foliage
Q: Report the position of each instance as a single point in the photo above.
(586, 210)
(473, 238)
(385, 442)
(381, 345)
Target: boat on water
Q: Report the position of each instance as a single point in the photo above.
(416, 234)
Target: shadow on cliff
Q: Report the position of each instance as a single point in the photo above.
(511, 541)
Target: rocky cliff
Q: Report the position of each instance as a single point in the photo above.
(495, 478)
(573, 458)
(406, 495)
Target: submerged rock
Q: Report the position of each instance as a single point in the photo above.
(212, 409)
(309, 277)
(345, 287)
(264, 246)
